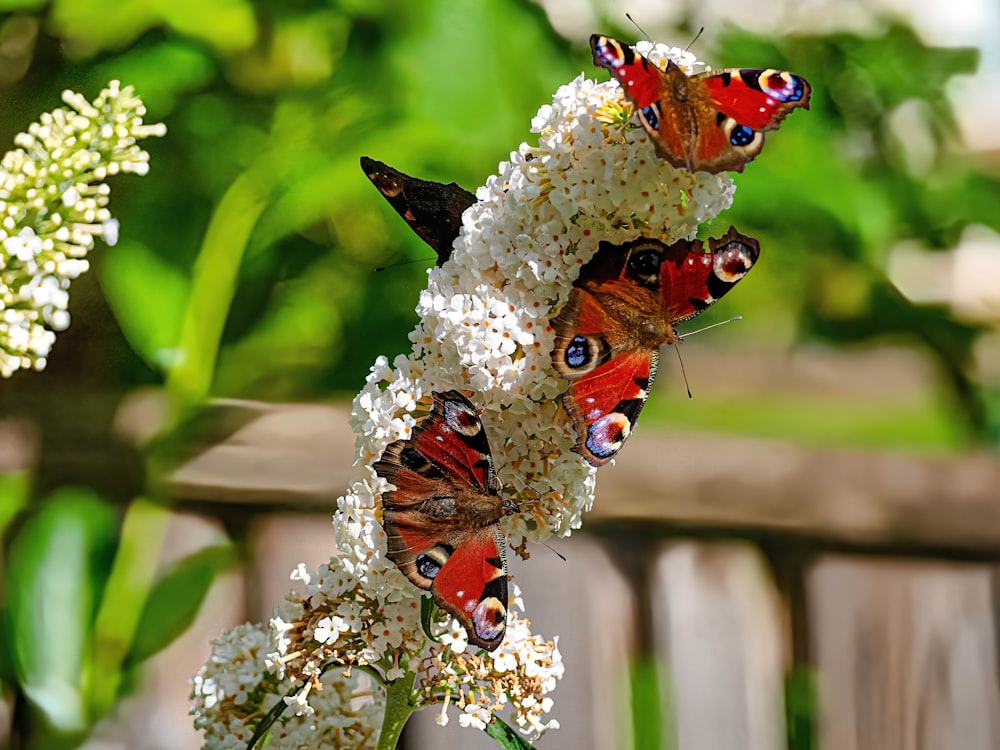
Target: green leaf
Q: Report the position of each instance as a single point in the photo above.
(175, 600)
(164, 74)
(95, 25)
(21, 5)
(14, 488)
(213, 285)
(147, 296)
(57, 565)
(505, 736)
(125, 595)
(262, 732)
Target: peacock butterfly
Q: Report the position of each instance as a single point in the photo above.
(713, 121)
(432, 209)
(442, 517)
(622, 309)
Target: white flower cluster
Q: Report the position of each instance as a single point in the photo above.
(344, 710)
(521, 673)
(53, 203)
(484, 329)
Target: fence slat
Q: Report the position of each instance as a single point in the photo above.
(718, 625)
(906, 655)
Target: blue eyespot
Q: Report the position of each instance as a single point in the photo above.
(790, 90)
(651, 117)
(741, 135)
(428, 567)
(577, 353)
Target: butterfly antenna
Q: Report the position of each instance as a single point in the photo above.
(400, 263)
(641, 30)
(696, 38)
(684, 374)
(681, 339)
(533, 495)
(714, 325)
(555, 552)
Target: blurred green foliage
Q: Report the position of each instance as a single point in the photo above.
(653, 719)
(834, 193)
(81, 609)
(251, 244)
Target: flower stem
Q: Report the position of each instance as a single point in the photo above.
(397, 710)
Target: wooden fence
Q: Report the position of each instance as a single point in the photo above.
(730, 562)
(735, 561)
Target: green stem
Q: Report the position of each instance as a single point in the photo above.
(397, 710)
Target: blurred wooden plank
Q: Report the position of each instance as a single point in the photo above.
(906, 654)
(300, 457)
(276, 544)
(281, 456)
(588, 604)
(719, 628)
(851, 497)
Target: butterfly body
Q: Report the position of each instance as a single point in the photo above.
(713, 121)
(441, 518)
(624, 306)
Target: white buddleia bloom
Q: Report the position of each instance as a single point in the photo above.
(53, 203)
(345, 711)
(484, 330)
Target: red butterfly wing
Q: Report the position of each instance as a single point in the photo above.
(758, 99)
(604, 404)
(472, 585)
(597, 348)
(441, 518)
(692, 280)
(640, 79)
(658, 95)
(741, 106)
(453, 438)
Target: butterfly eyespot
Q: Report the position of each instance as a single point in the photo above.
(428, 567)
(411, 459)
(644, 267)
(611, 367)
(784, 87)
(733, 261)
(446, 495)
(461, 419)
(677, 108)
(578, 352)
(741, 135)
(651, 116)
(489, 619)
(607, 435)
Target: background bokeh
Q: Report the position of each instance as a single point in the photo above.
(877, 212)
